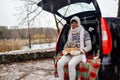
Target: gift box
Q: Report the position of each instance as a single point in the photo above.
(84, 71)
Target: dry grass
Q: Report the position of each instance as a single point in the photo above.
(9, 45)
(39, 41)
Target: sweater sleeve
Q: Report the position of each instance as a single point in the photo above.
(88, 44)
(67, 44)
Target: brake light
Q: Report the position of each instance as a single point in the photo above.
(106, 37)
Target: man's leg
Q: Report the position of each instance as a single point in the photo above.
(72, 66)
(60, 66)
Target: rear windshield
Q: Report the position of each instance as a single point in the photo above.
(76, 8)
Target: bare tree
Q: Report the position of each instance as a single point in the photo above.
(58, 29)
(30, 8)
(30, 13)
(34, 12)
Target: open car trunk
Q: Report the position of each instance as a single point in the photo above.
(88, 12)
(90, 16)
(66, 8)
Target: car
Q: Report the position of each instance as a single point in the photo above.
(111, 62)
(101, 34)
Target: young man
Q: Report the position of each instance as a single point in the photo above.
(82, 38)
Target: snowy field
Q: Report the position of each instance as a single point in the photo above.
(40, 46)
(30, 70)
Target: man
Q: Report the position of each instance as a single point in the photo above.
(82, 38)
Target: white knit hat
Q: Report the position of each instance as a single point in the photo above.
(76, 19)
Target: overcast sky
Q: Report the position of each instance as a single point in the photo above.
(8, 11)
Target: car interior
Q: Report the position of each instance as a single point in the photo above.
(91, 24)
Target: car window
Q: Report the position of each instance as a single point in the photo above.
(76, 8)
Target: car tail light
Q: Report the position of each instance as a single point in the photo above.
(106, 37)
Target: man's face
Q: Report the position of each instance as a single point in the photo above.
(74, 25)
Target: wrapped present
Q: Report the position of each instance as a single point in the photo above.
(84, 71)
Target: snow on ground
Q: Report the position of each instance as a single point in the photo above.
(30, 70)
(40, 46)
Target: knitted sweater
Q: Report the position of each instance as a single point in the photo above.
(76, 38)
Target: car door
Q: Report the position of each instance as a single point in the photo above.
(54, 6)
